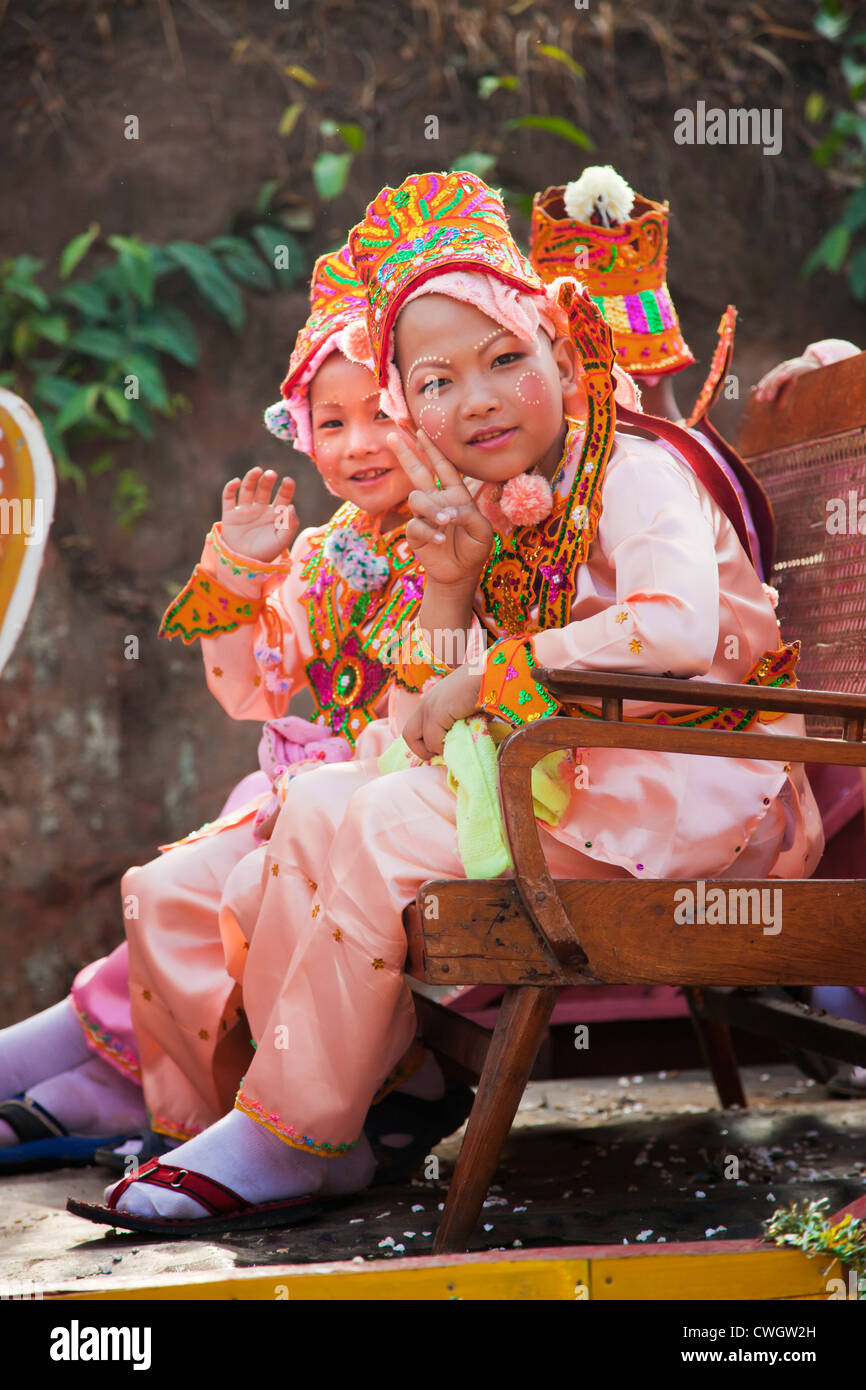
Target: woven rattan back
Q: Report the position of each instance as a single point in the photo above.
(809, 451)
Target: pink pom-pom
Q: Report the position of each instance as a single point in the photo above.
(527, 499)
(772, 594)
(355, 343)
(488, 503)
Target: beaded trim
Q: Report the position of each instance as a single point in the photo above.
(773, 669)
(288, 1133)
(539, 563)
(353, 631)
(108, 1045)
(171, 1131)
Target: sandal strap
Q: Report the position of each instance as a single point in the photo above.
(212, 1195)
(31, 1121)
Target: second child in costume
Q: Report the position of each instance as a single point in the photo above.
(609, 554)
(270, 624)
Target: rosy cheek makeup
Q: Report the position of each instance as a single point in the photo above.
(431, 418)
(531, 388)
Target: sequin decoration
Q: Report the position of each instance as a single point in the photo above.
(353, 630)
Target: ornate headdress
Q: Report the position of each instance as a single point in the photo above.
(432, 224)
(337, 302)
(453, 225)
(616, 243)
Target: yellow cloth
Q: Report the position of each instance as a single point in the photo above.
(470, 758)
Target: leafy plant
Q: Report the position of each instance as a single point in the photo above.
(841, 151)
(90, 353)
(331, 168)
(804, 1225)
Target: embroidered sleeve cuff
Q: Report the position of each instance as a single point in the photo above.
(206, 608)
(508, 687)
(249, 578)
(414, 663)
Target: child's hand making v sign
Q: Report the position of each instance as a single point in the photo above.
(253, 525)
(452, 541)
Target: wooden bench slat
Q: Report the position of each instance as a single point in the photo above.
(477, 932)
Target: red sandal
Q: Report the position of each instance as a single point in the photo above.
(228, 1211)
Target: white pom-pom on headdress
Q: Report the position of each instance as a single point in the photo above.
(599, 189)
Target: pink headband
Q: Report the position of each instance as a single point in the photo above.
(518, 310)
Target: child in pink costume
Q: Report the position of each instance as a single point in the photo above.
(253, 668)
(619, 559)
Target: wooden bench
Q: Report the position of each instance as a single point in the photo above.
(536, 936)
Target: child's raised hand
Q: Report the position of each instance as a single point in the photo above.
(252, 524)
(448, 534)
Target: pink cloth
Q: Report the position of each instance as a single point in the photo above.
(351, 848)
(186, 951)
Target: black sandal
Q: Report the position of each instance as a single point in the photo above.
(44, 1143)
(427, 1121)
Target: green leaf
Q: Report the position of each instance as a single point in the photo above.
(134, 268)
(140, 420)
(825, 151)
(353, 135)
(87, 298)
(54, 327)
(151, 382)
(265, 194)
(854, 215)
(210, 280)
(330, 172)
(553, 125)
(101, 464)
(551, 51)
(289, 119)
(283, 253)
(20, 284)
(301, 75)
(815, 107)
(82, 406)
(24, 337)
(54, 390)
(77, 249)
(117, 404)
(169, 330)
(241, 261)
(854, 72)
(857, 274)
(490, 84)
(830, 251)
(298, 217)
(522, 202)
(131, 497)
(831, 21)
(474, 162)
(104, 343)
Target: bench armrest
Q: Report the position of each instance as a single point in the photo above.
(525, 747)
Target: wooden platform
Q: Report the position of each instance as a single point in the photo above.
(590, 1164)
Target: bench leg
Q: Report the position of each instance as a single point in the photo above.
(520, 1027)
(718, 1053)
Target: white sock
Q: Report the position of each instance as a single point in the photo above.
(254, 1163)
(39, 1047)
(90, 1100)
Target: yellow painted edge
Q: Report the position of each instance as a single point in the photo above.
(757, 1275)
(561, 1280)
